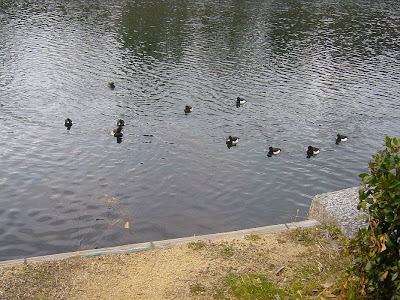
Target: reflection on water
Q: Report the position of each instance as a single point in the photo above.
(308, 71)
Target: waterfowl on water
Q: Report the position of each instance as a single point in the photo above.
(232, 140)
(340, 138)
(240, 100)
(274, 151)
(188, 109)
(117, 132)
(68, 123)
(312, 151)
(111, 85)
(120, 123)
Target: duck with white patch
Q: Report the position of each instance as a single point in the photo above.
(240, 101)
(311, 151)
(274, 151)
(340, 138)
(232, 140)
(188, 109)
(68, 123)
(117, 132)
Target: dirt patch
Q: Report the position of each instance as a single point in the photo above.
(187, 271)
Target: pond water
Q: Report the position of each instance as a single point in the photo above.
(308, 70)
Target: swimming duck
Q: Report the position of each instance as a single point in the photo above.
(111, 85)
(117, 132)
(274, 151)
(240, 100)
(188, 109)
(312, 151)
(120, 123)
(340, 138)
(232, 140)
(68, 123)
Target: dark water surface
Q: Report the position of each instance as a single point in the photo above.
(308, 69)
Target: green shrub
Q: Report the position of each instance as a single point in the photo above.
(376, 248)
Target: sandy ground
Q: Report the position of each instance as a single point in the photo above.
(171, 273)
(187, 271)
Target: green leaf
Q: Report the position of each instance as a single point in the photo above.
(378, 195)
(388, 142)
(367, 179)
(389, 242)
(394, 184)
(369, 266)
(362, 205)
(396, 141)
(369, 200)
(394, 276)
(387, 210)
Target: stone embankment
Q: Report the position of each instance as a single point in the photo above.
(340, 209)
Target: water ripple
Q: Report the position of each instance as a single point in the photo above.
(306, 70)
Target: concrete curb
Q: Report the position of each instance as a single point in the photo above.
(162, 244)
